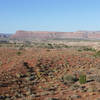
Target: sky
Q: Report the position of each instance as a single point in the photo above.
(49, 15)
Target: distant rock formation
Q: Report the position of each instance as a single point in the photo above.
(45, 35)
(3, 35)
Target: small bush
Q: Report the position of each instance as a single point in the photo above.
(18, 53)
(88, 49)
(97, 54)
(50, 46)
(79, 50)
(0, 63)
(69, 79)
(82, 79)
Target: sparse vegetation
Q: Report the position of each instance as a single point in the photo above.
(97, 54)
(82, 79)
(68, 79)
(50, 46)
(19, 53)
(85, 48)
(47, 70)
(88, 49)
(1, 63)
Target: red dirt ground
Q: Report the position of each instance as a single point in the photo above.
(46, 67)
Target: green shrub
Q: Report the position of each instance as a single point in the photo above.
(82, 79)
(88, 49)
(79, 50)
(50, 46)
(97, 54)
(18, 53)
(0, 63)
(69, 79)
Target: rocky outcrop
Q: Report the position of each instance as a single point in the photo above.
(45, 35)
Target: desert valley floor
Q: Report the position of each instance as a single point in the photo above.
(49, 74)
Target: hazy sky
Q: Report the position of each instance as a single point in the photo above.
(49, 15)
